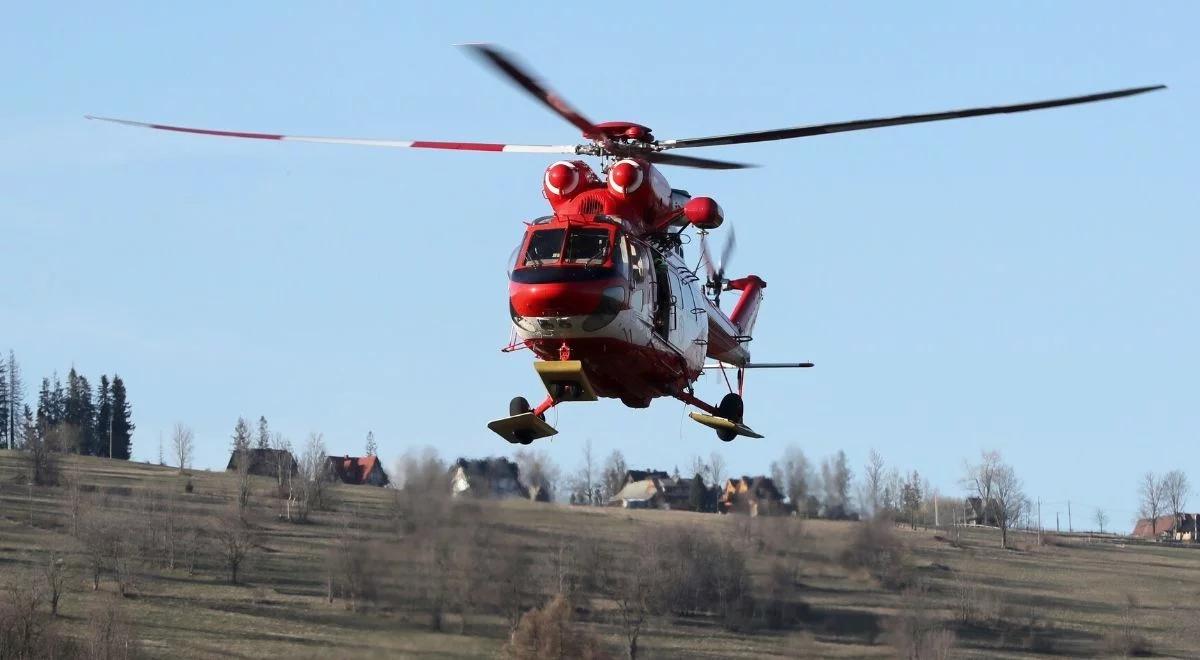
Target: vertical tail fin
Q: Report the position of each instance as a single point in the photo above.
(745, 312)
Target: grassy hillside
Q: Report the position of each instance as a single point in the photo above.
(1073, 597)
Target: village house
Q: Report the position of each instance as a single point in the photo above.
(1172, 527)
(756, 496)
(489, 478)
(273, 463)
(357, 470)
(653, 489)
(975, 513)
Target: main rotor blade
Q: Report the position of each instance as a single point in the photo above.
(863, 124)
(526, 81)
(400, 144)
(692, 161)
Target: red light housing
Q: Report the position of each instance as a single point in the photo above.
(704, 213)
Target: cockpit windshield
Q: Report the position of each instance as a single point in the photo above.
(587, 246)
(545, 247)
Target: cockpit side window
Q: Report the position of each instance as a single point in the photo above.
(545, 246)
(587, 247)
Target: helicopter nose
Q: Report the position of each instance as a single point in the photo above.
(555, 298)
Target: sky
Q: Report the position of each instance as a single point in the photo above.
(1024, 283)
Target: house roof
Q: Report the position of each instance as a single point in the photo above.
(638, 490)
(1163, 524)
(264, 458)
(642, 475)
(355, 469)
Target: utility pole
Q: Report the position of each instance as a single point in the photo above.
(935, 511)
(1039, 521)
(1057, 524)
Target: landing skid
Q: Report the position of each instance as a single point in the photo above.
(723, 424)
(565, 380)
(522, 429)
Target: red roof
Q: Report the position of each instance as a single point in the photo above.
(1162, 525)
(354, 469)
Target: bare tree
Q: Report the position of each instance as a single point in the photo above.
(1153, 500)
(182, 441)
(537, 471)
(716, 468)
(54, 575)
(1101, 519)
(1010, 500)
(873, 477)
(1176, 491)
(836, 477)
(584, 480)
(614, 473)
(307, 491)
(235, 539)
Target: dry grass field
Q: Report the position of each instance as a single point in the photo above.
(1065, 598)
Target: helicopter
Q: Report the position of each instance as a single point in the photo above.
(599, 290)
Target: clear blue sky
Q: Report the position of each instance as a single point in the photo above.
(1027, 283)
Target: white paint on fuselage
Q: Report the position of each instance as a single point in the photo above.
(686, 321)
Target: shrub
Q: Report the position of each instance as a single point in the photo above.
(549, 632)
(915, 632)
(874, 547)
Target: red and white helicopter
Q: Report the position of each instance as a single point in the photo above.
(599, 289)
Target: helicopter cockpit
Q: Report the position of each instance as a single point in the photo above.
(570, 253)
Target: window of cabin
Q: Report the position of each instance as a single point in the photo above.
(587, 247)
(545, 246)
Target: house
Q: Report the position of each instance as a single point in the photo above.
(656, 491)
(1181, 527)
(642, 475)
(975, 513)
(274, 463)
(490, 478)
(357, 470)
(756, 496)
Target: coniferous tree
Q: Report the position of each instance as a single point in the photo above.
(58, 401)
(28, 429)
(104, 416)
(45, 406)
(80, 414)
(241, 435)
(15, 391)
(264, 433)
(5, 438)
(372, 448)
(122, 421)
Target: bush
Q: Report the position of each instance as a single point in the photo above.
(549, 632)
(915, 632)
(874, 547)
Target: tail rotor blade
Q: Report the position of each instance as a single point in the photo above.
(727, 253)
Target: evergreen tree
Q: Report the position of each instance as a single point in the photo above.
(27, 429)
(5, 438)
(58, 403)
(104, 416)
(80, 414)
(15, 394)
(372, 448)
(264, 434)
(241, 435)
(698, 495)
(45, 406)
(122, 421)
